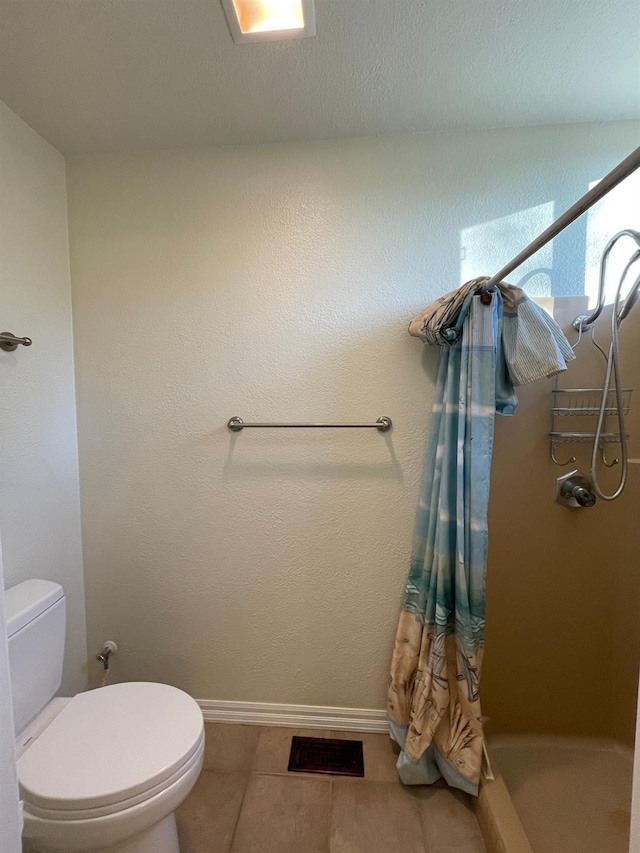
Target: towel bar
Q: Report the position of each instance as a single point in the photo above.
(236, 424)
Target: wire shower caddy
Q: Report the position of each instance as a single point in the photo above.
(582, 404)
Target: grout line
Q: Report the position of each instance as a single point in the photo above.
(244, 795)
(330, 814)
(292, 774)
(255, 751)
(420, 826)
(240, 810)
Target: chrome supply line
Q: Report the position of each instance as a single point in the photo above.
(236, 424)
(615, 176)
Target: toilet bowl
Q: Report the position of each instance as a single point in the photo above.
(107, 773)
(104, 771)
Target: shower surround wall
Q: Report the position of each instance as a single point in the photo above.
(39, 501)
(563, 589)
(276, 283)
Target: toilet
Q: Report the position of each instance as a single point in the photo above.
(105, 770)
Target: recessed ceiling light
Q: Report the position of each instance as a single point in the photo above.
(270, 20)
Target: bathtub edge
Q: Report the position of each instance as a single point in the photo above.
(500, 825)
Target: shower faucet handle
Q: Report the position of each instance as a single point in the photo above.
(575, 490)
(581, 495)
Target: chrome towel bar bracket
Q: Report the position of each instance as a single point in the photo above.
(236, 424)
(9, 342)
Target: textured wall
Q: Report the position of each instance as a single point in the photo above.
(39, 502)
(277, 283)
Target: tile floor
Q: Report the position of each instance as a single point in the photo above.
(245, 801)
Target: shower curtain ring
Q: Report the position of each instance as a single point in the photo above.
(484, 291)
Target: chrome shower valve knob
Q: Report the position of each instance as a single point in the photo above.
(574, 490)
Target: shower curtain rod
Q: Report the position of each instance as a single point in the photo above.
(615, 176)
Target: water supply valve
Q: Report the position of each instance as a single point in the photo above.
(109, 648)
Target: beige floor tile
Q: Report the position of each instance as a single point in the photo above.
(380, 756)
(207, 818)
(284, 814)
(274, 746)
(229, 748)
(448, 820)
(373, 817)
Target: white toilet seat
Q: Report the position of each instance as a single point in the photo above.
(67, 814)
(110, 749)
(116, 829)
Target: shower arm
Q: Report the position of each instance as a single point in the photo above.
(584, 321)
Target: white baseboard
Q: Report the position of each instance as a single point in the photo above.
(298, 716)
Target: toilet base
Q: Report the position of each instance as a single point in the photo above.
(160, 838)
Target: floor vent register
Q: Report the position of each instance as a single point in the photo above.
(326, 755)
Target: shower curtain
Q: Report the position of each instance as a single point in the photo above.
(433, 698)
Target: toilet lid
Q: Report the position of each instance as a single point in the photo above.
(110, 744)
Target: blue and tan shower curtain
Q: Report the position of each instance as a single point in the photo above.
(433, 698)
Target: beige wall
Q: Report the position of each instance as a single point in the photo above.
(277, 283)
(39, 502)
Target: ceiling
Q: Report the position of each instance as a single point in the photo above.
(104, 75)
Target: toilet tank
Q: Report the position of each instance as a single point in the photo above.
(35, 614)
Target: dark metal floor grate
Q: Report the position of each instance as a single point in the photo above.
(326, 755)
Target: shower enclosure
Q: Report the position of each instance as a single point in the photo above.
(571, 589)
(561, 731)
